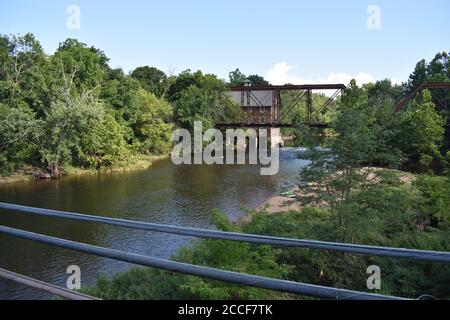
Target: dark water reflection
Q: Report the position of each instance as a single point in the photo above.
(178, 195)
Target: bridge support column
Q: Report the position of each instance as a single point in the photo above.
(309, 107)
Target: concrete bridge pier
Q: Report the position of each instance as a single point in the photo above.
(274, 134)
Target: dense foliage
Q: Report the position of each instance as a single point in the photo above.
(392, 214)
(203, 99)
(350, 193)
(436, 70)
(71, 108)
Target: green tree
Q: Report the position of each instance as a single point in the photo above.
(204, 100)
(258, 80)
(418, 76)
(383, 92)
(421, 130)
(25, 76)
(103, 144)
(435, 201)
(88, 66)
(79, 131)
(152, 122)
(151, 79)
(19, 135)
(437, 70)
(335, 174)
(118, 94)
(193, 105)
(236, 77)
(184, 80)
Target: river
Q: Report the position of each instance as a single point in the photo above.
(165, 193)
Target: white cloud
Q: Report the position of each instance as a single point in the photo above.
(281, 74)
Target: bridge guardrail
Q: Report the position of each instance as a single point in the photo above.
(413, 254)
(217, 274)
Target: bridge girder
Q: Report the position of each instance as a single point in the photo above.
(249, 101)
(420, 88)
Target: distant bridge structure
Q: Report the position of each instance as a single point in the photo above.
(264, 106)
(444, 103)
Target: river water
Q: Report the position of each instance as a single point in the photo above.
(165, 193)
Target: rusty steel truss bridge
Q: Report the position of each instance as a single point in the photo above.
(443, 102)
(265, 106)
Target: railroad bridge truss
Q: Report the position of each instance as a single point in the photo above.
(265, 106)
(440, 100)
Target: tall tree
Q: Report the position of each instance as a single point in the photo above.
(118, 93)
(258, 80)
(152, 123)
(335, 174)
(87, 65)
(78, 129)
(20, 133)
(25, 77)
(236, 77)
(204, 100)
(437, 70)
(421, 130)
(183, 81)
(152, 79)
(382, 92)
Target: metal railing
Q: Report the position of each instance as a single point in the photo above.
(43, 286)
(233, 236)
(217, 274)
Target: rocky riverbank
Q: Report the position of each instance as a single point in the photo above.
(287, 201)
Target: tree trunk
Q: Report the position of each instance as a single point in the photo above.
(54, 170)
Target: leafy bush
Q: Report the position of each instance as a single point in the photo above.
(151, 123)
(103, 145)
(421, 130)
(434, 204)
(380, 216)
(146, 283)
(19, 133)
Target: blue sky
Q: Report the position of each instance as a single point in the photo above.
(295, 41)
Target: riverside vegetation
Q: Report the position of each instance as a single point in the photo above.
(71, 110)
(351, 195)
